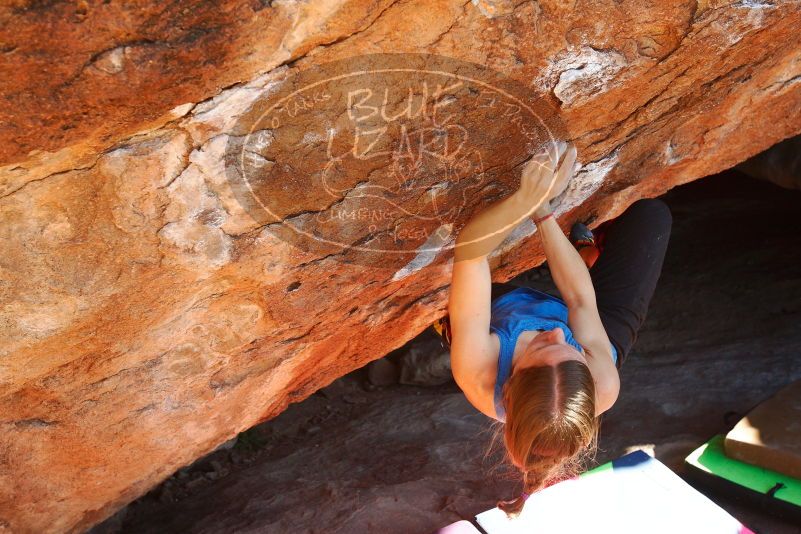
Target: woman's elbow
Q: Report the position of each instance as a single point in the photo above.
(608, 390)
(582, 299)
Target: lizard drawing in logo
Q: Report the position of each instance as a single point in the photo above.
(427, 173)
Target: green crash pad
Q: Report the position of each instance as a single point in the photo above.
(769, 490)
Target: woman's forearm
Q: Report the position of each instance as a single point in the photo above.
(490, 226)
(568, 270)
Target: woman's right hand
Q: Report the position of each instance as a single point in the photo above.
(538, 185)
(546, 176)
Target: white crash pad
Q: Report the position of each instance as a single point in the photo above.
(633, 494)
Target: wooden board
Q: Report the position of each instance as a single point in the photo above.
(770, 435)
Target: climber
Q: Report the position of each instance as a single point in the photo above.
(546, 366)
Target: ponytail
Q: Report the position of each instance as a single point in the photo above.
(531, 483)
(551, 428)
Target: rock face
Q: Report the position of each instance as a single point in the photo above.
(156, 300)
(721, 336)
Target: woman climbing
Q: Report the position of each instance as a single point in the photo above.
(548, 366)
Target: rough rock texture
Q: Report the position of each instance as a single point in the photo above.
(147, 318)
(721, 336)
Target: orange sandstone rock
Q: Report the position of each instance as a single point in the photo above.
(153, 304)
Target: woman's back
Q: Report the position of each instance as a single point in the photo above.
(522, 310)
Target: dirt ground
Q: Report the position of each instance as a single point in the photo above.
(722, 335)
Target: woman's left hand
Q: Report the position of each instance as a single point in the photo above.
(566, 170)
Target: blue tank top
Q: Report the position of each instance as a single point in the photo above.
(519, 310)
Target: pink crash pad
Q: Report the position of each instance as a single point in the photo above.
(460, 527)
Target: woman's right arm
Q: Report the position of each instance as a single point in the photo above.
(469, 316)
(472, 350)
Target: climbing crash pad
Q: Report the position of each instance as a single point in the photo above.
(633, 494)
(770, 491)
(770, 435)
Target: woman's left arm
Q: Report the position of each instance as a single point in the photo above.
(571, 276)
(575, 285)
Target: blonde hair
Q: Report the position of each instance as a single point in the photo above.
(551, 429)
